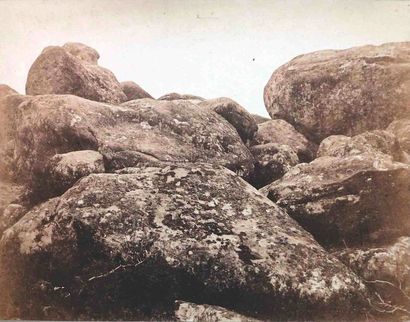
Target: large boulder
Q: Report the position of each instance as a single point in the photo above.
(282, 133)
(382, 143)
(347, 201)
(82, 52)
(68, 70)
(342, 91)
(148, 236)
(235, 114)
(133, 91)
(138, 131)
(6, 90)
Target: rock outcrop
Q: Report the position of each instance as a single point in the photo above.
(260, 119)
(187, 97)
(152, 235)
(133, 91)
(401, 128)
(6, 90)
(342, 91)
(347, 201)
(73, 69)
(146, 129)
(381, 143)
(235, 114)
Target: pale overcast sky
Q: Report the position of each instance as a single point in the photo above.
(207, 48)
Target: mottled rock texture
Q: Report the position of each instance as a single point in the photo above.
(342, 91)
(401, 128)
(133, 91)
(152, 235)
(186, 311)
(282, 133)
(347, 201)
(381, 143)
(146, 129)
(73, 70)
(260, 119)
(235, 114)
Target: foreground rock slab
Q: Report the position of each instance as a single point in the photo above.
(353, 200)
(342, 91)
(73, 69)
(148, 236)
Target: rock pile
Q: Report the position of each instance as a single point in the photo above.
(114, 205)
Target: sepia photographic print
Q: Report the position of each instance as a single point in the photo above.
(191, 160)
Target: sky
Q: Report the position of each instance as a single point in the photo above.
(206, 48)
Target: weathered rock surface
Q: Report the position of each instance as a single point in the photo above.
(272, 161)
(187, 97)
(6, 90)
(186, 311)
(386, 270)
(352, 200)
(401, 128)
(282, 133)
(157, 234)
(138, 131)
(73, 70)
(65, 169)
(381, 143)
(133, 91)
(260, 119)
(82, 52)
(235, 114)
(342, 91)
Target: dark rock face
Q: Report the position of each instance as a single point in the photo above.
(401, 128)
(381, 143)
(73, 70)
(10, 208)
(186, 311)
(133, 91)
(6, 90)
(342, 91)
(187, 97)
(272, 161)
(42, 126)
(385, 269)
(352, 200)
(235, 114)
(157, 234)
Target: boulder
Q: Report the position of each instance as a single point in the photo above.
(260, 119)
(272, 161)
(401, 128)
(382, 143)
(235, 114)
(11, 197)
(138, 131)
(347, 201)
(342, 91)
(6, 90)
(65, 169)
(386, 270)
(83, 52)
(62, 70)
(147, 236)
(175, 96)
(186, 311)
(282, 133)
(133, 91)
